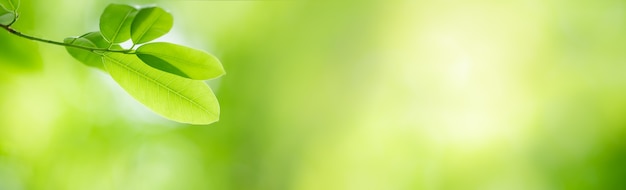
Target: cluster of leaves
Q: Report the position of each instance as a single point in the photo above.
(165, 77)
(8, 11)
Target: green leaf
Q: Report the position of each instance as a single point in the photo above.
(6, 17)
(180, 60)
(149, 24)
(176, 98)
(115, 22)
(10, 5)
(90, 40)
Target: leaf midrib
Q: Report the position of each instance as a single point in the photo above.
(203, 60)
(152, 21)
(196, 104)
(12, 6)
(166, 56)
(117, 31)
(2, 5)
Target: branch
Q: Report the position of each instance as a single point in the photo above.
(13, 31)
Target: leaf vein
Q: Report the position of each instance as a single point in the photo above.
(178, 94)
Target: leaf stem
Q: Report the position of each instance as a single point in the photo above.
(15, 17)
(15, 32)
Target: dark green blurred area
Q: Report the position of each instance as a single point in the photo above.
(339, 95)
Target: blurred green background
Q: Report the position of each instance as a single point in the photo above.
(477, 94)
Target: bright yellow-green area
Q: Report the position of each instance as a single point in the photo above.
(332, 95)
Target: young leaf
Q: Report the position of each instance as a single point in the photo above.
(180, 60)
(115, 22)
(91, 40)
(149, 24)
(10, 5)
(6, 17)
(179, 99)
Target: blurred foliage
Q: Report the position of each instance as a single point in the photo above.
(474, 94)
(17, 55)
